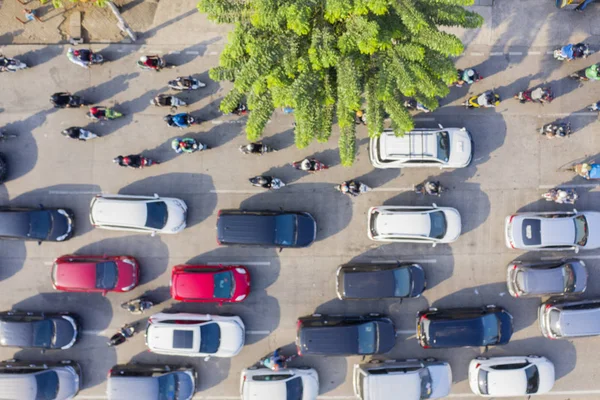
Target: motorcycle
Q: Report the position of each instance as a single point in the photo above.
(572, 52)
(352, 188)
(124, 333)
(134, 161)
(590, 73)
(412, 105)
(187, 145)
(240, 110)
(483, 100)
(181, 120)
(466, 75)
(84, 57)
(309, 165)
(256, 148)
(76, 132)
(594, 107)
(137, 306)
(159, 63)
(560, 129)
(183, 83)
(11, 64)
(67, 100)
(588, 171)
(275, 361)
(432, 188)
(163, 100)
(540, 95)
(103, 113)
(561, 196)
(267, 182)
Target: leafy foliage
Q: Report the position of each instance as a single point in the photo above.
(326, 58)
(59, 3)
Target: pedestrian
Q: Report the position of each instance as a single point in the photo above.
(583, 5)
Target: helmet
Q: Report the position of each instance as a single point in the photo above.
(118, 159)
(470, 72)
(168, 117)
(143, 59)
(175, 143)
(76, 52)
(94, 110)
(562, 194)
(359, 113)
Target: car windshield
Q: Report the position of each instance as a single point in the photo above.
(294, 389)
(533, 379)
(482, 381)
(40, 224)
(285, 229)
(210, 338)
(438, 224)
(581, 230)
(223, 285)
(106, 275)
(157, 215)
(43, 333)
(167, 387)
(554, 321)
(569, 278)
(443, 146)
(402, 278)
(367, 338)
(491, 329)
(520, 281)
(426, 383)
(47, 385)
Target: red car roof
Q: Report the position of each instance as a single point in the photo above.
(195, 284)
(75, 275)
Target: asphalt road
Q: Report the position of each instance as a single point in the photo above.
(512, 166)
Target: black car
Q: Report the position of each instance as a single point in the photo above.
(41, 224)
(380, 281)
(345, 335)
(266, 228)
(3, 166)
(464, 327)
(151, 382)
(37, 330)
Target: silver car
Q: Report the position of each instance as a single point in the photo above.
(150, 382)
(564, 319)
(546, 279)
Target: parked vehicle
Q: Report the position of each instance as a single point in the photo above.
(561, 319)
(546, 278)
(487, 99)
(442, 148)
(283, 384)
(89, 273)
(210, 284)
(151, 382)
(380, 281)
(413, 224)
(29, 380)
(40, 224)
(344, 335)
(256, 148)
(34, 329)
(150, 214)
(553, 231)
(195, 335)
(266, 228)
(414, 379)
(464, 327)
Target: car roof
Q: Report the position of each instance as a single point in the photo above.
(14, 223)
(405, 223)
(541, 280)
(371, 284)
(246, 228)
(18, 386)
(414, 144)
(76, 274)
(13, 333)
(161, 336)
(120, 212)
(552, 231)
(456, 332)
(379, 387)
(259, 390)
(127, 387)
(195, 284)
(580, 322)
(509, 382)
(330, 339)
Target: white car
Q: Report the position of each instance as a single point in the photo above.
(195, 335)
(553, 231)
(150, 214)
(511, 376)
(442, 148)
(414, 224)
(283, 384)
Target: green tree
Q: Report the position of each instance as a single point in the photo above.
(59, 3)
(324, 58)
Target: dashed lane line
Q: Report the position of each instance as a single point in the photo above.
(405, 331)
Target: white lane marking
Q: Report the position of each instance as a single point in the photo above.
(550, 52)
(477, 54)
(257, 332)
(405, 260)
(424, 119)
(400, 189)
(577, 185)
(496, 53)
(175, 52)
(74, 192)
(92, 332)
(192, 52)
(48, 263)
(579, 114)
(233, 121)
(405, 331)
(236, 191)
(213, 53)
(515, 53)
(240, 263)
(535, 53)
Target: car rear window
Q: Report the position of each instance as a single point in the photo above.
(533, 379)
(183, 339)
(285, 230)
(443, 146)
(47, 385)
(106, 275)
(554, 321)
(367, 338)
(157, 215)
(491, 329)
(531, 232)
(438, 224)
(210, 338)
(581, 230)
(294, 389)
(223, 285)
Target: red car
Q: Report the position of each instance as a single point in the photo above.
(74, 273)
(210, 284)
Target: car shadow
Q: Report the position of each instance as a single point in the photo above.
(151, 252)
(197, 190)
(332, 371)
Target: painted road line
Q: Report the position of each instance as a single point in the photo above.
(578, 114)
(236, 191)
(175, 52)
(400, 189)
(477, 54)
(192, 52)
(533, 53)
(213, 53)
(257, 332)
(405, 331)
(92, 332)
(496, 53)
(240, 263)
(577, 185)
(550, 52)
(406, 260)
(515, 53)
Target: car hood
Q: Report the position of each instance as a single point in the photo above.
(453, 225)
(593, 221)
(232, 339)
(61, 225)
(441, 378)
(461, 150)
(68, 383)
(64, 332)
(176, 221)
(310, 386)
(307, 230)
(127, 275)
(186, 386)
(546, 371)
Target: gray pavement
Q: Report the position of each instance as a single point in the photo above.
(512, 166)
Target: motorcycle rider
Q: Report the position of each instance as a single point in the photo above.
(188, 82)
(61, 99)
(4, 63)
(252, 148)
(307, 165)
(132, 160)
(276, 361)
(181, 120)
(98, 112)
(468, 76)
(350, 187)
(180, 145)
(121, 336)
(540, 94)
(593, 72)
(152, 62)
(486, 99)
(73, 132)
(432, 188)
(412, 104)
(81, 57)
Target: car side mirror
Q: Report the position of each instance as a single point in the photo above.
(434, 205)
(155, 195)
(280, 249)
(39, 242)
(43, 351)
(433, 244)
(576, 250)
(206, 358)
(153, 233)
(440, 125)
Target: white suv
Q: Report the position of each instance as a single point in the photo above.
(150, 214)
(442, 148)
(414, 224)
(283, 384)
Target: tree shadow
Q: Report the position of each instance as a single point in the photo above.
(190, 53)
(580, 119)
(151, 252)
(109, 89)
(130, 5)
(281, 140)
(116, 52)
(182, 185)
(330, 205)
(8, 37)
(152, 32)
(35, 58)
(218, 135)
(76, 197)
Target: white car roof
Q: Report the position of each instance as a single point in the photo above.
(415, 144)
(506, 382)
(380, 386)
(120, 212)
(552, 231)
(276, 390)
(160, 336)
(403, 224)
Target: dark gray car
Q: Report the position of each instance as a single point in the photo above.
(546, 279)
(380, 281)
(37, 330)
(40, 224)
(150, 382)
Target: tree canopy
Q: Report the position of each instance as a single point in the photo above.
(328, 59)
(59, 3)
